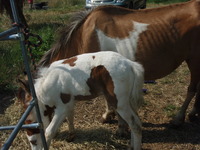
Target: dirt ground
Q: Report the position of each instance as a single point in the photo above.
(162, 101)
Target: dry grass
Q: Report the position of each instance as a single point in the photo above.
(161, 102)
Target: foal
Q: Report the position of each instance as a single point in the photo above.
(85, 77)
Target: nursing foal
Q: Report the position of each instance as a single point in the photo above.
(84, 77)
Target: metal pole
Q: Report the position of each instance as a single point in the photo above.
(17, 127)
(24, 54)
(8, 32)
(26, 126)
(34, 102)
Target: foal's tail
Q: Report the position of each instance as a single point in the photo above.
(136, 98)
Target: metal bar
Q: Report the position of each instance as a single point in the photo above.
(8, 32)
(27, 126)
(14, 12)
(39, 119)
(24, 54)
(34, 102)
(11, 37)
(18, 126)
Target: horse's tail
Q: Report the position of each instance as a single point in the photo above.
(58, 51)
(136, 98)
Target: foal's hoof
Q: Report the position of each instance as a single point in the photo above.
(109, 120)
(124, 134)
(105, 120)
(71, 137)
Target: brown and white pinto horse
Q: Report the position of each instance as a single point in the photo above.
(84, 77)
(159, 38)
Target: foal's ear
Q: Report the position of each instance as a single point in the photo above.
(24, 85)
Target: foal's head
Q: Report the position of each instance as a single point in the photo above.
(25, 97)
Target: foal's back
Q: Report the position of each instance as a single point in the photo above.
(87, 74)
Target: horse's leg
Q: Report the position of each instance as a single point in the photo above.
(70, 119)
(192, 89)
(60, 114)
(195, 113)
(110, 112)
(180, 117)
(134, 123)
(122, 127)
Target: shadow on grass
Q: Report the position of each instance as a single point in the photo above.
(188, 133)
(163, 133)
(99, 135)
(6, 100)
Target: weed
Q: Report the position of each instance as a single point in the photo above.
(170, 110)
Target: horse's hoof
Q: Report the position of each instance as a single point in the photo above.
(195, 118)
(71, 137)
(176, 123)
(105, 120)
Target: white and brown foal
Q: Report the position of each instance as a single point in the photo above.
(84, 77)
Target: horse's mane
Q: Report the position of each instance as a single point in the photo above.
(64, 38)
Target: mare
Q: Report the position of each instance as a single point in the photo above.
(161, 39)
(84, 77)
(5, 6)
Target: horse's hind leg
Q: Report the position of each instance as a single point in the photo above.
(192, 89)
(195, 113)
(180, 117)
(122, 127)
(110, 110)
(134, 123)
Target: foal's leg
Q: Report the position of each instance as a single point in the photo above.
(110, 112)
(134, 123)
(61, 112)
(70, 120)
(122, 127)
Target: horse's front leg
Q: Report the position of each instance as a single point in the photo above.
(70, 120)
(60, 114)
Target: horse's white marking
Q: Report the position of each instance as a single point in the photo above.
(127, 46)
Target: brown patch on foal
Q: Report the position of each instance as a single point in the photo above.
(100, 80)
(70, 61)
(65, 98)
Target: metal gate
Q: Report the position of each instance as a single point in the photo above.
(16, 33)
